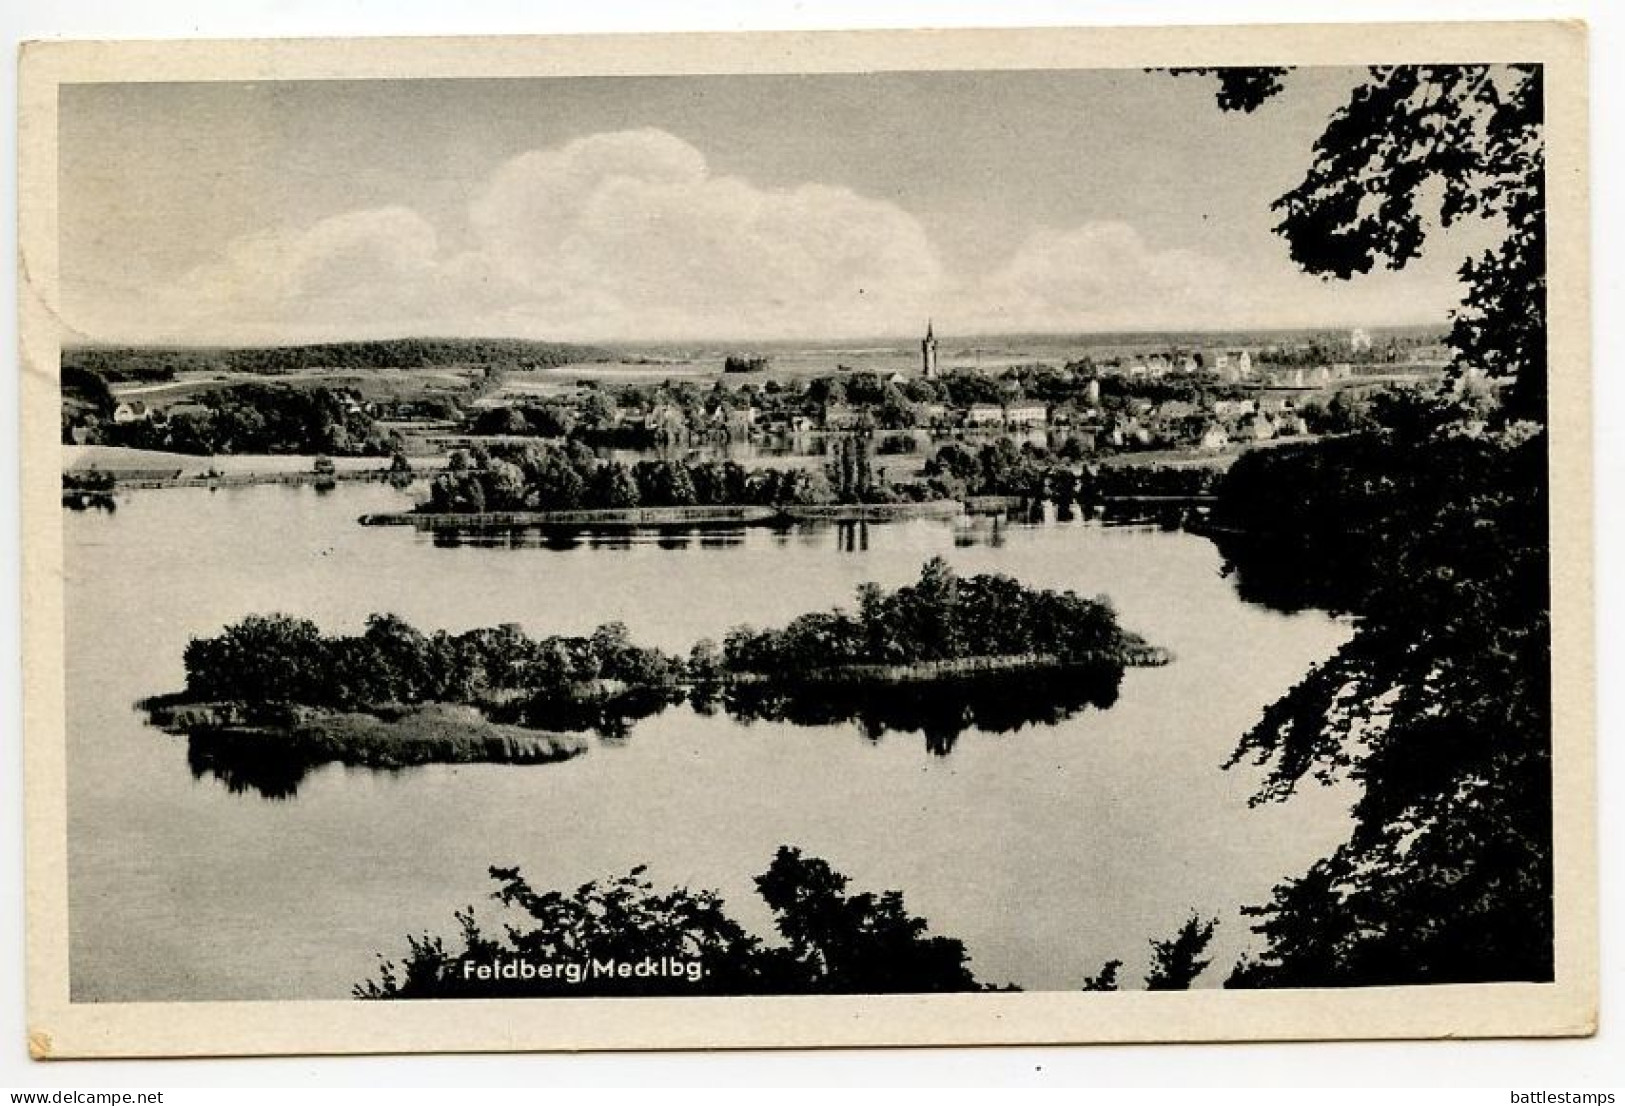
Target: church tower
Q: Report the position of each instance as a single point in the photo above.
(928, 352)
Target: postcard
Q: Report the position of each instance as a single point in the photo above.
(807, 539)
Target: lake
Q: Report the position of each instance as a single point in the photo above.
(1047, 850)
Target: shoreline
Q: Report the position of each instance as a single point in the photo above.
(426, 733)
(635, 517)
(1132, 655)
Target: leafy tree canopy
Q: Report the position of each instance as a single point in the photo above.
(1426, 145)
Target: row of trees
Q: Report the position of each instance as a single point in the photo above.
(275, 659)
(1037, 473)
(245, 418)
(147, 362)
(941, 617)
(549, 476)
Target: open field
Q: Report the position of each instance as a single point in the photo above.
(371, 384)
(122, 459)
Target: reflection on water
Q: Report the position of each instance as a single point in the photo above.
(558, 538)
(943, 710)
(246, 767)
(846, 537)
(1086, 831)
(84, 501)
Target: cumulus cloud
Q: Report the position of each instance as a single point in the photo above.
(347, 266)
(612, 236)
(631, 235)
(1100, 276)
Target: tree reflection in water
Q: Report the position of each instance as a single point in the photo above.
(997, 702)
(246, 764)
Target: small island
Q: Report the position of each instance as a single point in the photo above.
(938, 657)
(271, 697)
(944, 626)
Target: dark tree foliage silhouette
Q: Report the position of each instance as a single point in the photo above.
(940, 617)
(1105, 979)
(1433, 532)
(840, 943)
(278, 659)
(1431, 142)
(1177, 961)
(1438, 707)
(830, 942)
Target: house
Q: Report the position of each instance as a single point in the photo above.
(1260, 428)
(734, 422)
(1188, 365)
(1026, 414)
(1274, 405)
(1342, 370)
(1244, 364)
(984, 414)
(1092, 393)
(666, 420)
(842, 416)
(1214, 438)
(132, 410)
(1128, 429)
(1175, 409)
(932, 414)
(1227, 409)
(1320, 376)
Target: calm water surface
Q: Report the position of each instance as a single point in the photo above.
(1047, 850)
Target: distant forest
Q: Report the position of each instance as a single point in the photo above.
(119, 363)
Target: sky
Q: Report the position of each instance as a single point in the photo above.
(693, 208)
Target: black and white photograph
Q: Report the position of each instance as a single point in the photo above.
(1035, 536)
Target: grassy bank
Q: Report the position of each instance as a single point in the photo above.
(432, 733)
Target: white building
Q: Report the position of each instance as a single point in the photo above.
(1026, 414)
